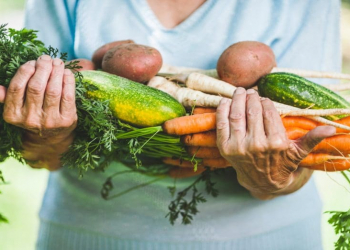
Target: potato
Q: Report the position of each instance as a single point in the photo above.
(85, 64)
(136, 62)
(97, 57)
(243, 63)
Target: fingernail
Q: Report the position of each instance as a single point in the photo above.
(239, 90)
(31, 62)
(57, 61)
(225, 100)
(45, 57)
(251, 91)
(67, 72)
(263, 98)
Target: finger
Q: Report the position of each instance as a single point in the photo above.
(2, 94)
(255, 123)
(16, 90)
(68, 94)
(222, 123)
(273, 124)
(312, 138)
(37, 84)
(53, 91)
(237, 116)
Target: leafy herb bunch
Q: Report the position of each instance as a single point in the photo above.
(99, 137)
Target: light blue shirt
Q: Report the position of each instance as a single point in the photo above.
(302, 33)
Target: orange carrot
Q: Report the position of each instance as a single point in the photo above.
(344, 121)
(190, 124)
(335, 145)
(319, 158)
(205, 139)
(212, 163)
(216, 163)
(179, 162)
(177, 172)
(294, 133)
(298, 121)
(331, 165)
(202, 110)
(204, 152)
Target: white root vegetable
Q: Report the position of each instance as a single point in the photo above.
(187, 97)
(338, 87)
(313, 74)
(168, 70)
(313, 114)
(209, 85)
(181, 73)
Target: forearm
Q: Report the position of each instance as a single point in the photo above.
(45, 152)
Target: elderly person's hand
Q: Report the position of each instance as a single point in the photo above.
(251, 136)
(41, 100)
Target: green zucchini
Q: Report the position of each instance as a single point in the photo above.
(132, 102)
(299, 92)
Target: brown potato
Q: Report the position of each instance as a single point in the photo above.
(97, 57)
(85, 64)
(136, 62)
(243, 63)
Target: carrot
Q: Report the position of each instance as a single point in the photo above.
(216, 162)
(204, 152)
(294, 133)
(177, 172)
(331, 166)
(319, 158)
(179, 162)
(344, 121)
(212, 163)
(202, 110)
(205, 139)
(335, 145)
(299, 121)
(190, 124)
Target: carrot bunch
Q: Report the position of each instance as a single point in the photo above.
(199, 137)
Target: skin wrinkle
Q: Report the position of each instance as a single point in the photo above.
(265, 160)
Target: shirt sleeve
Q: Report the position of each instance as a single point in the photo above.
(54, 21)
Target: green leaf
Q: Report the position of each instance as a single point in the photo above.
(341, 223)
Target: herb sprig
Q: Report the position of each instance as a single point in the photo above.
(180, 206)
(341, 223)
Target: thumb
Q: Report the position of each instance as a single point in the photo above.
(2, 94)
(306, 143)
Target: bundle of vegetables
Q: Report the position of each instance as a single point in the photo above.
(303, 105)
(109, 126)
(117, 117)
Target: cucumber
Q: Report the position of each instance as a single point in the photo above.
(132, 102)
(299, 92)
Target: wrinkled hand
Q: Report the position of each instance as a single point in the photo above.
(251, 136)
(41, 99)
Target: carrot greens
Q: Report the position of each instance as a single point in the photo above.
(100, 137)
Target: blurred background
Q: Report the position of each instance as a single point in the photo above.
(20, 200)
